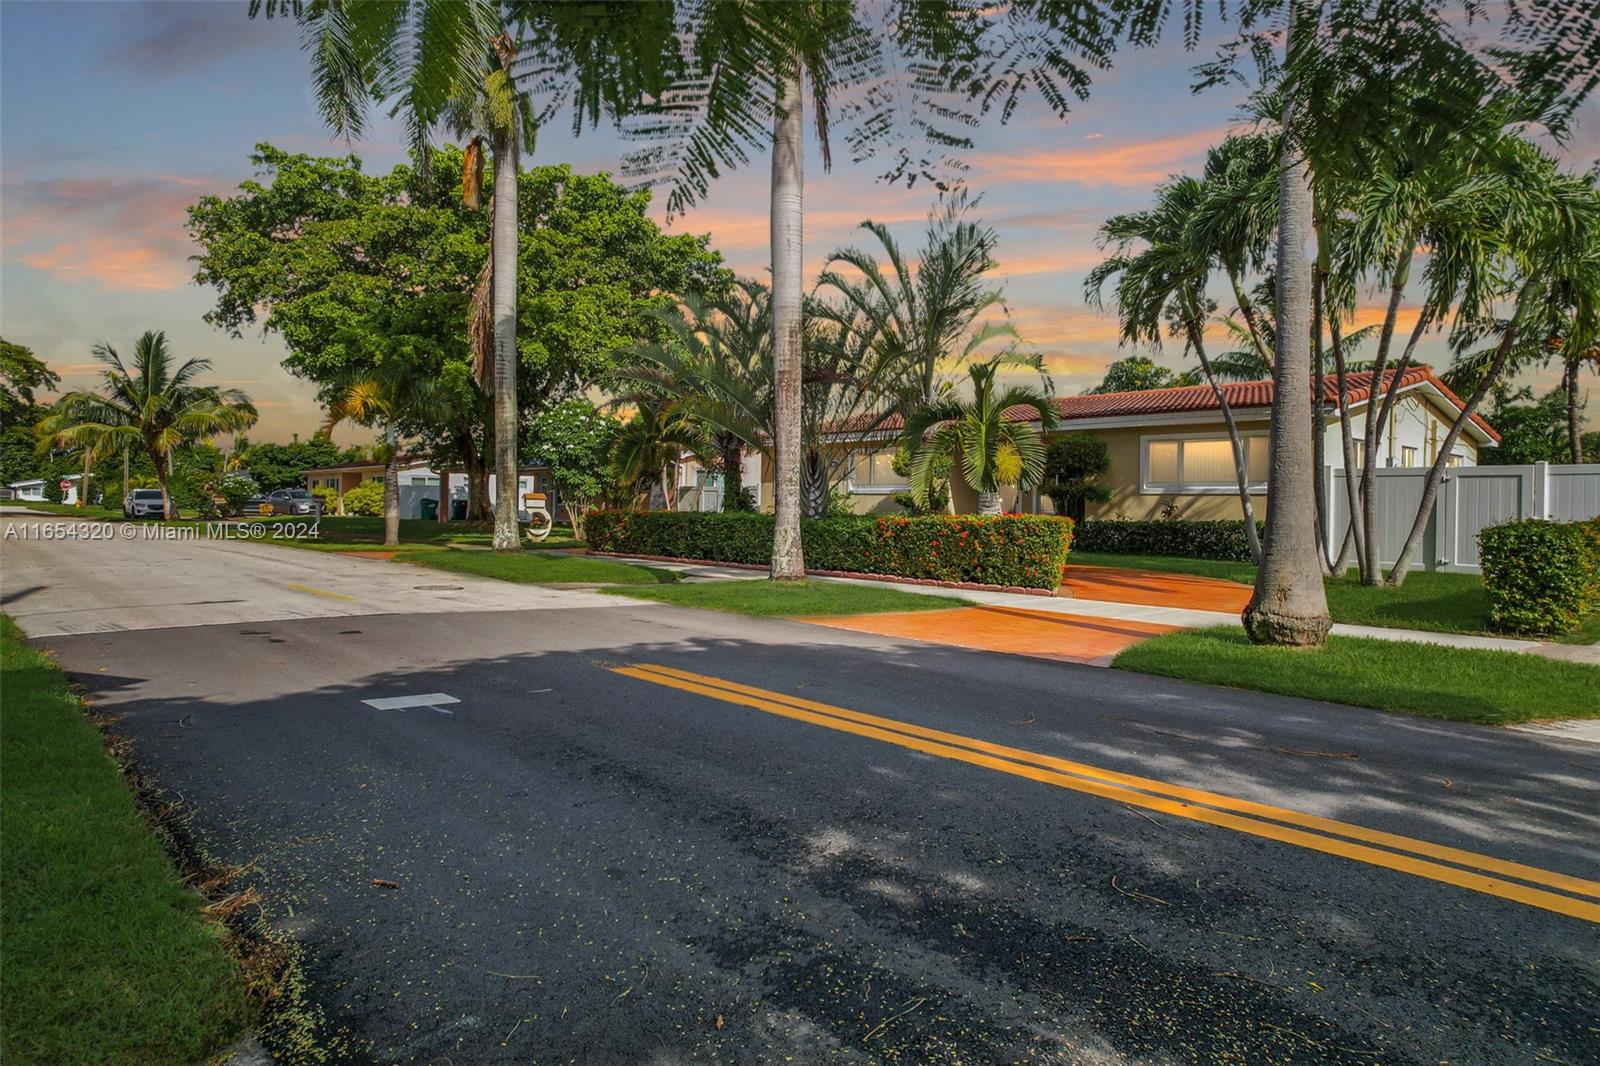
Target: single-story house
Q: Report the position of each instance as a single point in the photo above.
(419, 481)
(1169, 448)
(33, 489)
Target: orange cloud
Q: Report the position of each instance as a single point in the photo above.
(1138, 164)
(114, 261)
(121, 233)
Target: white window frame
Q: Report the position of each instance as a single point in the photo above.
(1149, 488)
(872, 490)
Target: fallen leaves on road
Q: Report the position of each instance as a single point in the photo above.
(378, 882)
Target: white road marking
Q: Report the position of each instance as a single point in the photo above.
(431, 700)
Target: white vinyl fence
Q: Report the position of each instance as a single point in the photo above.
(1470, 498)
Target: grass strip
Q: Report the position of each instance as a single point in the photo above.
(107, 957)
(540, 568)
(767, 599)
(1454, 684)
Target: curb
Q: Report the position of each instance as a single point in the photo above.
(887, 579)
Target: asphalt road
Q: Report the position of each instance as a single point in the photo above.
(597, 867)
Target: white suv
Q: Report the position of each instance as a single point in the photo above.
(143, 503)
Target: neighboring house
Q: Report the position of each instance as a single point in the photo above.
(419, 481)
(34, 489)
(1170, 454)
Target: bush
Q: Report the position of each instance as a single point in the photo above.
(1221, 539)
(365, 499)
(1025, 550)
(329, 498)
(1542, 577)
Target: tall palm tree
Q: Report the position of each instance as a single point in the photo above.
(1161, 269)
(473, 64)
(749, 68)
(986, 437)
(923, 317)
(153, 406)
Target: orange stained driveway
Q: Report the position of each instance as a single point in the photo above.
(1155, 589)
(1043, 634)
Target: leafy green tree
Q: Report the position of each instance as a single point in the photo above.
(21, 375)
(1531, 430)
(1135, 373)
(153, 405)
(992, 449)
(351, 267)
(1072, 463)
(384, 395)
(577, 441)
(282, 466)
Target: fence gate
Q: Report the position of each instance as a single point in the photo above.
(1469, 499)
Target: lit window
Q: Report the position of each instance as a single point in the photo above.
(874, 472)
(1203, 464)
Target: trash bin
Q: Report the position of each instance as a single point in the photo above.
(430, 509)
(458, 510)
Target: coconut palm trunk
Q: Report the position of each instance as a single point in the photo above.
(1574, 408)
(504, 252)
(1241, 463)
(988, 503)
(391, 489)
(788, 182)
(1289, 605)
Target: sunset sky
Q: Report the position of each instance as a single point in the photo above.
(115, 116)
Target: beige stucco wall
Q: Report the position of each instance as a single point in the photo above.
(1417, 422)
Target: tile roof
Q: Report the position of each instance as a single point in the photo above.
(1192, 398)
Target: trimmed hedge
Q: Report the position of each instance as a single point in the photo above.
(1542, 577)
(1221, 539)
(1012, 550)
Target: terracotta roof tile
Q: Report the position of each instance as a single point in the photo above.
(1193, 398)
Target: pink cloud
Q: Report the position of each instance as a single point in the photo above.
(122, 234)
(1136, 164)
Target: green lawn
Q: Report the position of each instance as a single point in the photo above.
(90, 512)
(540, 568)
(107, 957)
(1429, 600)
(1459, 684)
(766, 599)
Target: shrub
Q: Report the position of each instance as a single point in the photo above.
(329, 498)
(365, 499)
(1024, 550)
(1542, 577)
(1072, 464)
(1220, 539)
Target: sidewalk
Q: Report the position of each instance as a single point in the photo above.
(1029, 619)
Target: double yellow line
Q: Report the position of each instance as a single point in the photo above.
(1492, 876)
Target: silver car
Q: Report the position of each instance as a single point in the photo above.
(143, 503)
(290, 502)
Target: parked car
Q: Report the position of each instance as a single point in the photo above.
(286, 501)
(143, 503)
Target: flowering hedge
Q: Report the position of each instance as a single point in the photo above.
(1542, 577)
(1012, 550)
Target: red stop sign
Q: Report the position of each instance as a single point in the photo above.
(65, 484)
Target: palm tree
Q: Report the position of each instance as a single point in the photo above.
(749, 66)
(385, 395)
(471, 64)
(649, 446)
(986, 436)
(717, 368)
(923, 317)
(154, 406)
(1162, 269)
